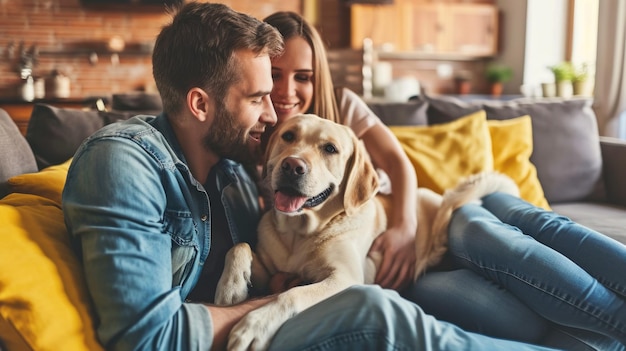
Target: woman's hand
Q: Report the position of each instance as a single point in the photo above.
(397, 244)
(397, 247)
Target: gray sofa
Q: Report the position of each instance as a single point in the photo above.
(582, 174)
(583, 177)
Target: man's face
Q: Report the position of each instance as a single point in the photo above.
(241, 118)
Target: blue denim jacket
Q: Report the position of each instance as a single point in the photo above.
(142, 226)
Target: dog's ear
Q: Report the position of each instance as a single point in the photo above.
(362, 180)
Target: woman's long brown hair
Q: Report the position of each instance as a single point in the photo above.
(291, 24)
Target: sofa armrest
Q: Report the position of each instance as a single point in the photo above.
(614, 167)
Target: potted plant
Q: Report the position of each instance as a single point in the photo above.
(462, 82)
(563, 73)
(580, 77)
(496, 75)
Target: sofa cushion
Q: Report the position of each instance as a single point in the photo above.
(444, 153)
(44, 303)
(442, 109)
(401, 113)
(565, 140)
(55, 134)
(605, 218)
(566, 144)
(47, 183)
(16, 156)
(512, 145)
(138, 102)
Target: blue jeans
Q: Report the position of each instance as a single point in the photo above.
(370, 318)
(540, 273)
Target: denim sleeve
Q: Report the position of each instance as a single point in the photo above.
(115, 197)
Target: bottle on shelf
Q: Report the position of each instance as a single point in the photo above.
(28, 89)
(60, 85)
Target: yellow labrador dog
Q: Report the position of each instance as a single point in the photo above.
(325, 216)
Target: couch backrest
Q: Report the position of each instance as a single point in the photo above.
(16, 156)
(55, 134)
(566, 147)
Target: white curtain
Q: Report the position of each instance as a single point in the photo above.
(610, 78)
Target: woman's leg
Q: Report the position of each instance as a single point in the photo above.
(370, 318)
(545, 280)
(573, 339)
(601, 256)
(476, 304)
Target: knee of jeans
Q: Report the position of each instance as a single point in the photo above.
(364, 295)
(373, 298)
(468, 219)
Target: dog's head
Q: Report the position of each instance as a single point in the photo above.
(315, 165)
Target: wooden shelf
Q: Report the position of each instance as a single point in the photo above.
(418, 55)
(88, 51)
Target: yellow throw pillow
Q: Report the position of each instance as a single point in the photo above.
(44, 303)
(49, 182)
(512, 145)
(443, 153)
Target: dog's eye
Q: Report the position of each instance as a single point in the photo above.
(288, 136)
(330, 148)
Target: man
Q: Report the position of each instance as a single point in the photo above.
(154, 203)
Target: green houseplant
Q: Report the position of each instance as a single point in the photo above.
(563, 75)
(563, 71)
(496, 75)
(580, 78)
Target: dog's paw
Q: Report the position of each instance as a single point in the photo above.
(232, 287)
(255, 331)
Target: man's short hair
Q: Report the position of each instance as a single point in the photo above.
(196, 50)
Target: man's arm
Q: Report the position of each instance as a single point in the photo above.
(224, 318)
(115, 206)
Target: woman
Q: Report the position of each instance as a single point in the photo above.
(476, 297)
(303, 84)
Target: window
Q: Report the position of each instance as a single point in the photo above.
(583, 33)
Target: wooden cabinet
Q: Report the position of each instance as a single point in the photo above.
(382, 24)
(471, 29)
(427, 30)
(461, 29)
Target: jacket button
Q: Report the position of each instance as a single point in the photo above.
(204, 218)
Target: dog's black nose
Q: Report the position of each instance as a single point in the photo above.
(294, 166)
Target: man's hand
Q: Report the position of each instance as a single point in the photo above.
(224, 318)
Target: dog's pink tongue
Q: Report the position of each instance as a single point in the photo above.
(286, 203)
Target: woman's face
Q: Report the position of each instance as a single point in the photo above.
(292, 73)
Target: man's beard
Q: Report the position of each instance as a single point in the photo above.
(228, 140)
